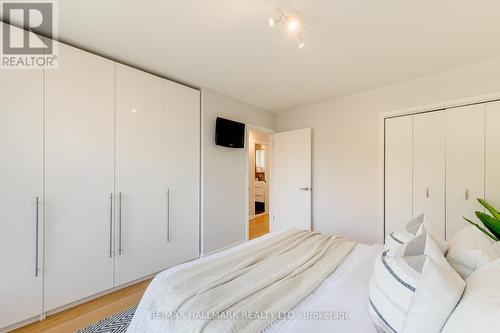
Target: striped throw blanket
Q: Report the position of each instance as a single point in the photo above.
(243, 291)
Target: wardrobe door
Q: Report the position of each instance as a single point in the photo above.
(398, 172)
(79, 177)
(464, 165)
(429, 139)
(492, 158)
(182, 165)
(141, 232)
(21, 183)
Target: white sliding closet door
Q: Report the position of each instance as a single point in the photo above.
(398, 172)
(429, 139)
(141, 231)
(464, 165)
(182, 164)
(492, 158)
(79, 177)
(21, 182)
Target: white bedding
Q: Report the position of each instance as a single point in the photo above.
(344, 292)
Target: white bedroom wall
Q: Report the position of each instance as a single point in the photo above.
(345, 143)
(224, 171)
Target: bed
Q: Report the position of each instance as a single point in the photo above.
(338, 304)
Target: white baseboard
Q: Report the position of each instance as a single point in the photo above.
(20, 324)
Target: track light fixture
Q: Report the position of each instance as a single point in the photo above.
(300, 43)
(293, 23)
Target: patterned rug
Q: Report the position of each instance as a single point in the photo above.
(116, 323)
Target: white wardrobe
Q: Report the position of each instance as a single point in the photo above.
(439, 163)
(99, 182)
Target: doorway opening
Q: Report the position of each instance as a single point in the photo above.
(259, 156)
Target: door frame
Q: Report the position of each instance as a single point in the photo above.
(270, 132)
(426, 108)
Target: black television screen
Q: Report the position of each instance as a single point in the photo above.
(229, 133)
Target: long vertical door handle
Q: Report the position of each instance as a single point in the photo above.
(37, 201)
(120, 223)
(168, 215)
(111, 225)
(427, 192)
(467, 194)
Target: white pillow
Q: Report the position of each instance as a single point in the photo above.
(469, 250)
(414, 228)
(413, 288)
(479, 309)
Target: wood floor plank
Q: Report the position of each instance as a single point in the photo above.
(258, 226)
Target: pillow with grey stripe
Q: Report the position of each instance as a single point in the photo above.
(413, 288)
(412, 229)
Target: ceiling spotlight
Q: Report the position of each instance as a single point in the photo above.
(300, 42)
(293, 24)
(273, 21)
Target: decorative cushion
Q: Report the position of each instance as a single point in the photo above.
(414, 228)
(469, 250)
(479, 309)
(413, 288)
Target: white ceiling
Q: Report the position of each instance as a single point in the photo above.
(227, 45)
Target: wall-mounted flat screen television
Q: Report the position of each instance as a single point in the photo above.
(229, 133)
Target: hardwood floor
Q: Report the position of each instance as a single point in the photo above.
(90, 312)
(258, 226)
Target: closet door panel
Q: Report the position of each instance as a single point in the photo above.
(79, 176)
(429, 157)
(21, 181)
(182, 165)
(492, 158)
(140, 175)
(398, 172)
(464, 165)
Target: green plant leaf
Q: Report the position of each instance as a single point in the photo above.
(490, 208)
(490, 222)
(482, 229)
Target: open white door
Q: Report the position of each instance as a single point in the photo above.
(291, 180)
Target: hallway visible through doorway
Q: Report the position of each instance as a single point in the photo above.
(259, 155)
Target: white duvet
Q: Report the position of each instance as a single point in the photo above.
(339, 304)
